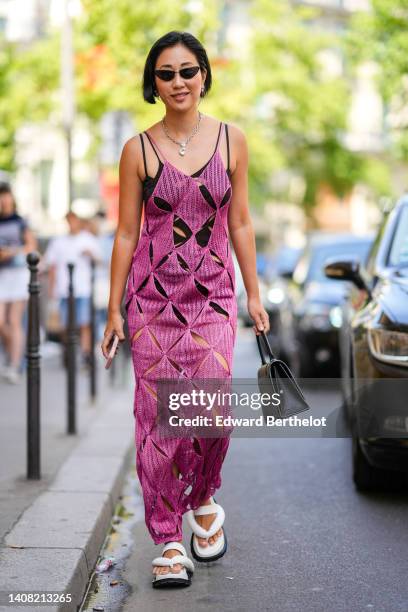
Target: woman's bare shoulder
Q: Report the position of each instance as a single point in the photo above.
(236, 134)
(133, 145)
(238, 146)
(132, 154)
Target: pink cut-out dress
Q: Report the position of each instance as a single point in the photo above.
(182, 319)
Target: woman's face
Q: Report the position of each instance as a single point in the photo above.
(179, 94)
(6, 204)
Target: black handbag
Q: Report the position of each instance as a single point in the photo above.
(275, 377)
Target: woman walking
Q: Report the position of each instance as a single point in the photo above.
(180, 300)
(16, 240)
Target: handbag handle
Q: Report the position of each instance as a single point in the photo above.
(269, 350)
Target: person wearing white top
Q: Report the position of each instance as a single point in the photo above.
(79, 246)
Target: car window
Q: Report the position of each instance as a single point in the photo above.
(323, 252)
(370, 264)
(398, 255)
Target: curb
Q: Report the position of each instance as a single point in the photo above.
(55, 544)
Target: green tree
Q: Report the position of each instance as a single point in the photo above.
(112, 41)
(28, 80)
(293, 112)
(381, 36)
(308, 105)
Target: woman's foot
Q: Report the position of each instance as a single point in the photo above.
(205, 521)
(12, 375)
(177, 567)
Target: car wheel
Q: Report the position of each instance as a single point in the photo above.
(365, 477)
(347, 392)
(369, 478)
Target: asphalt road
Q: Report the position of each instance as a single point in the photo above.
(301, 538)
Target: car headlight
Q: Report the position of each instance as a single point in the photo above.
(336, 316)
(389, 346)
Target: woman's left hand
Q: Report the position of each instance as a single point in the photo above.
(259, 315)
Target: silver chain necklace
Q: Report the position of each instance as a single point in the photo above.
(182, 143)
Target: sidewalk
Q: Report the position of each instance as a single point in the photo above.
(51, 530)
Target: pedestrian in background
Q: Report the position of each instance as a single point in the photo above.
(104, 231)
(16, 240)
(79, 246)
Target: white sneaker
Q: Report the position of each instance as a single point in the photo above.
(3, 369)
(12, 375)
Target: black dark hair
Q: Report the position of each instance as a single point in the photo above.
(6, 188)
(169, 40)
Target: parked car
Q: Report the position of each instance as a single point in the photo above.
(374, 353)
(242, 302)
(267, 298)
(313, 315)
(277, 296)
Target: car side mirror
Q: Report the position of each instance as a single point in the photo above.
(346, 270)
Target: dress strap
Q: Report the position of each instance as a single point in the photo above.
(218, 139)
(228, 147)
(144, 154)
(155, 146)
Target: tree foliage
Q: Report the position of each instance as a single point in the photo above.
(112, 41)
(292, 109)
(28, 91)
(380, 36)
(308, 103)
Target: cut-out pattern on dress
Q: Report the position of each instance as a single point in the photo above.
(182, 318)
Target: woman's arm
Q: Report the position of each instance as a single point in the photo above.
(30, 242)
(241, 229)
(126, 236)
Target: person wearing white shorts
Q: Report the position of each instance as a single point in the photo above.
(16, 240)
(79, 247)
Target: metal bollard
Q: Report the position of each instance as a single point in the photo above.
(71, 355)
(33, 371)
(92, 372)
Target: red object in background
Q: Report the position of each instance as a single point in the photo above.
(109, 190)
(97, 68)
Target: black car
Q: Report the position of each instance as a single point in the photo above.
(312, 321)
(277, 296)
(272, 294)
(374, 353)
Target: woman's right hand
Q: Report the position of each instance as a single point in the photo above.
(114, 325)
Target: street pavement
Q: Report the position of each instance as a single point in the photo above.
(16, 492)
(301, 538)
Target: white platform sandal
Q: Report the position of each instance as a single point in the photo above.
(170, 579)
(211, 552)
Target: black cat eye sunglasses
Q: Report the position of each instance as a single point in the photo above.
(185, 73)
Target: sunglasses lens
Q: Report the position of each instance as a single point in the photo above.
(185, 73)
(165, 75)
(189, 73)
